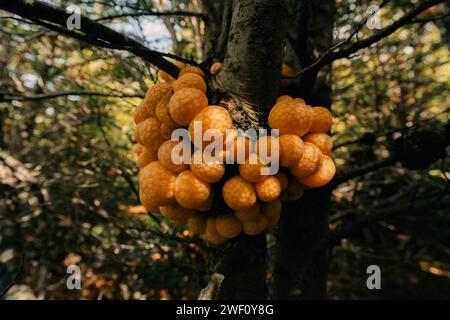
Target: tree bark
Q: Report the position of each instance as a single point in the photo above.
(243, 264)
(253, 59)
(301, 262)
(302, 259)
(250, 77)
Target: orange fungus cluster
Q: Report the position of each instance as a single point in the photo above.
(214, 199)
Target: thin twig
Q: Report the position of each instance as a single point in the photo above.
(431, 19)
(43, 96)
(331, 55)
(142, 13)
(91, 32)
(16, 277)
(345, 176)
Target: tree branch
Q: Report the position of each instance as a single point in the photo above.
(345, 176)
(90, 31)
(332, 55)
(16, 278)
(6, 98)
(356, 226)
(366, 137)
(212, 288)
(443, 16)
(371, 137)
(141, 13)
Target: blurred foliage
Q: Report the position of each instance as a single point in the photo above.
(68, 175)
(398, 84)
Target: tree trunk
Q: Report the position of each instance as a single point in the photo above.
(302, 248)
(301, 262)
(253, 59)
(250, 76)
(243, 264)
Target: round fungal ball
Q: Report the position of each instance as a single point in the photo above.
(283, 180)
(321, 120)
(268, 145)
(169, 159)
(211, 233)
(142, 111)
(190, 80)
(214, 119)
(215, 68)
(137, 148)
(167, 77)
(291, 117)
(294, 190)
(291, 149)
(191, 69)
(228, 226)
(309, 163)
(249, 213)
(147, 203)
(251, 169)
(167, 129)
(162, 111)
(321, 140)
(157, 91)
(176, 213)
(148, 105)
(272, 211)
(208, 204)
(321, 177)
(240, 146)
(269, 189)
(210, 171)
(197, 224)
(158, 183)
(147, 156)
(284, 98)
(185, 104)
(238, 193)
(255, 226)
(148, 133)
(286, 71)
(190, 191)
